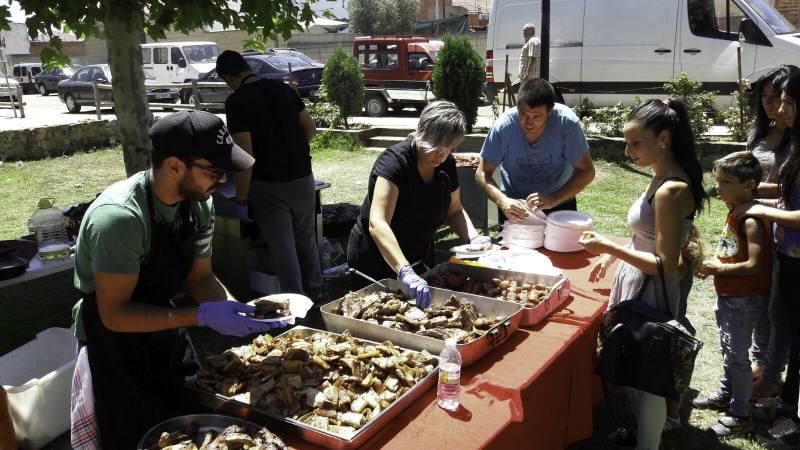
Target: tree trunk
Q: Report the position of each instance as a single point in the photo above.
(123, 26)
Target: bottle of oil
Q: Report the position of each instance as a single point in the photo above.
(48, 224)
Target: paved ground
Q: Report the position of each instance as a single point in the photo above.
(46, 111)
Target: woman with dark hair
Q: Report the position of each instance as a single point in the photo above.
(769, 141)
(658, 136)
(785, 212)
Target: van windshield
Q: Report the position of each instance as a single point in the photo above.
(201, 53)
(772, 17)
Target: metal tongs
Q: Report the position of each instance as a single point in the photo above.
(367, 277)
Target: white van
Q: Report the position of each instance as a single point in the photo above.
(25, 75)
(179, 62)
(613, 50)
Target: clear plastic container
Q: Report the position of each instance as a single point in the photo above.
(448, 392)
(48, 224)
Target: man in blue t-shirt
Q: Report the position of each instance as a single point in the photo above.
(542, 153)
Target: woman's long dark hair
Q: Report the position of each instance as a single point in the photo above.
(788, 173)
(673, 115)
(760, 127)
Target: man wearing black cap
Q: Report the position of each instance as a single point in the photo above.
(268, 119)
(143, 241)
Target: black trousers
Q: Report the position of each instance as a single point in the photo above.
(788, 274)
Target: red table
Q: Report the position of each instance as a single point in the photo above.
(534, 391)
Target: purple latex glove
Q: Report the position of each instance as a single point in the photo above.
(243, 213)
(224, 318)
(418, 287)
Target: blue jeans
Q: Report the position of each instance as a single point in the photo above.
(736, 318)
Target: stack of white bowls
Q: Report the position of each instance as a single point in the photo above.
(528, 234)
(564, 229)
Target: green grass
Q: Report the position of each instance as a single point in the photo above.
(80, 177)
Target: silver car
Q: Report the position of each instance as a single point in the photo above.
(8, 86)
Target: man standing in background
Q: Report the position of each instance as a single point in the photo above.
(531, 54)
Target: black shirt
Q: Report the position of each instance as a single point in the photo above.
(269, 110)
(421, 208)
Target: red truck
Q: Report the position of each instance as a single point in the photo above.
(397, 71)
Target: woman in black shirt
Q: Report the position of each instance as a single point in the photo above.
(413, 190)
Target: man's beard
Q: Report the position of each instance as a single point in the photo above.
(190, 191)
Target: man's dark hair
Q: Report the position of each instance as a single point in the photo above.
(742, 165)
(537, 92)
(230, 62)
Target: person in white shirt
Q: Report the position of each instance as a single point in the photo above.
(531, 54)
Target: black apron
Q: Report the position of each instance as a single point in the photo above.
(137, 377)
(431, 203)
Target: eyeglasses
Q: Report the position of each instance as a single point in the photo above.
(216, 174)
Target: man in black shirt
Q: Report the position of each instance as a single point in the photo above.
(268, 119)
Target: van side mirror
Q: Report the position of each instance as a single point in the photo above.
(182, 63)
(752, 34)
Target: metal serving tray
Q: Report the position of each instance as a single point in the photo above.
(531, 315)
(470, 352)
(289, 426)
(195, 424)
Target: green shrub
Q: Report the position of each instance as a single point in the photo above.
(606, 121)
(324, 113)
(344, 83)
(458, 76)
(701, 103)
(330, 140)
(734, 115)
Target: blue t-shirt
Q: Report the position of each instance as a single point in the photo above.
(543, 166)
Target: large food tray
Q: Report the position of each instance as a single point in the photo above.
(470, 352)
(531, 315)
(280, 424)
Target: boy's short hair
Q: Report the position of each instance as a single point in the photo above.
(742, 165)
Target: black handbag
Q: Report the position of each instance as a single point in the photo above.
(642, 347)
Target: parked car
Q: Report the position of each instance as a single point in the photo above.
(25, 74)
(308, 77)
(615, 50)
(77, 90)
(47, 80)
(397, 71)
(9, 88)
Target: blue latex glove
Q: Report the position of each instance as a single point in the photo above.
(224, 318)
(243, 213)
(418, 287)
(484, 241)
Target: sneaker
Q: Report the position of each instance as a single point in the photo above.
(672, 423)
(731, 426)
(782, 427)
(623, 437)
(716, 400)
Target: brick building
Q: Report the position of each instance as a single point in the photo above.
(790, 9)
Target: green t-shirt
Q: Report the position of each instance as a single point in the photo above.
(115, 232)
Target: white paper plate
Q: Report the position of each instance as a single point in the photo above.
(298, 306)
(462, 252)
(571, 219)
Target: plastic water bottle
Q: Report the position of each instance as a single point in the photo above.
(47, 223)
(448, 393)
(325, 253)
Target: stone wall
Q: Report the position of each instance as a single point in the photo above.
(58, 140)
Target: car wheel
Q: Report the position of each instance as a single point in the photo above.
(43, 90)
(72, 105)
(376, 106)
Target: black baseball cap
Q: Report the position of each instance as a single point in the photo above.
(198, 134)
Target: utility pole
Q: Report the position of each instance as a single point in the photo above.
(544, 64)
